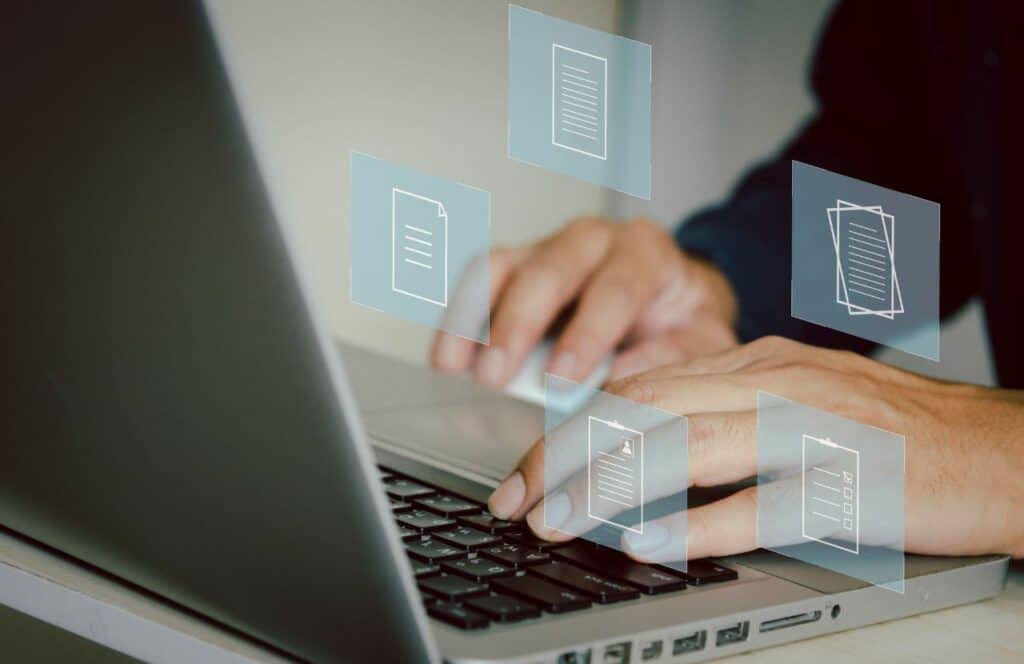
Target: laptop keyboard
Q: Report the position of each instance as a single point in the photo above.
(474, 569)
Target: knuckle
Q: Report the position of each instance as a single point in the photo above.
(541, 270)
(645, 229)
(584, 225)
(698, 529)
(700, 432)
(638, 391)
(771, 344)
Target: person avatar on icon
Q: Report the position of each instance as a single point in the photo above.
(627, 448)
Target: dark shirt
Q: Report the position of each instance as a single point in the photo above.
(921, 97)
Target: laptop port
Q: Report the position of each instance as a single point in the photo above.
(733, 634)
(689, 643)
(577, 657)
(650, 650)
(617, 653)
(790, 621)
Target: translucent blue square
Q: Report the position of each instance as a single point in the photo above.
(830, 491)
(580, 101)
(866, 260)
(419, 247)
(620, 466)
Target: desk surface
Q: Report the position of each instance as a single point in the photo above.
(989, 631)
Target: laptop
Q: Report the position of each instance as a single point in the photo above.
(179, 420)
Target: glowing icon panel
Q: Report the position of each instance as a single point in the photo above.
(850, 274)
(579, 101)
(419, 247)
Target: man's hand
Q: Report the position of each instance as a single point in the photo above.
(630, 284)
(964, 481)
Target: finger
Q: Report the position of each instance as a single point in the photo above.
(628, 468)
(453, 352)
(536, 292)
(648, 354)
(563, 452)
(689, 394)
(722, 528)
(620, 289)
(730, 359)
(709, 450)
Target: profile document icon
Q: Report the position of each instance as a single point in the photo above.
(419, 247)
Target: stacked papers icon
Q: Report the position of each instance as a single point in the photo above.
(864, 240)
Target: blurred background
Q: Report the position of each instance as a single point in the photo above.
(424, 84)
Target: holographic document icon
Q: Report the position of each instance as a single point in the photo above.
(579, 101)
(864, 238)
(616, 471)
(419, 247)
(830, 494)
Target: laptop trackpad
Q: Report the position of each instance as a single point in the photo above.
(485, 437)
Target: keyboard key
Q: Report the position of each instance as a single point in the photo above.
(514, 555)
(502, 608)
(400, 489)
(458, 616)
(452, 587)
(552, 598)
(447, 505)
(478, 569)
(603, 590)
(433, 551)
(531, 541)
(422, 570)
(467, 538)
(408, 534)
(699, 572)
(424, 521)
(397, 506)
(488, 523)
(617, 565)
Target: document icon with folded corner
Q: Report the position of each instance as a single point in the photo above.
(419, 247)
(615, 472)
(830, 495)
(864, 242)
(579, 101)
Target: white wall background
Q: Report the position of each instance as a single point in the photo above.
(424, 83)
(419, 82)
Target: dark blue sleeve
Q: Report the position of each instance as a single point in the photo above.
(878, 120)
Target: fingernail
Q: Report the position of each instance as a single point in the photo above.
(492, 367)
(557, 509)
(653, 538)
(564, 365)
(447, 353)
(509, 495)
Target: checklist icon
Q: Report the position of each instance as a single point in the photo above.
(830, 494)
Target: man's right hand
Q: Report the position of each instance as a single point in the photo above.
(633, 288)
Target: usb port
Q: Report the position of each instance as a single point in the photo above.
(617, 653)
(732, 634)
(790, 621)
(650, 650)
(689, 643)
